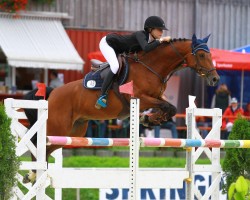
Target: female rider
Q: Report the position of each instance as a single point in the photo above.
(114, 44)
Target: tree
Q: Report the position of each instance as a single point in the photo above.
(9, 162)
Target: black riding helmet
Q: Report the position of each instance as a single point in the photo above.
(154, 22)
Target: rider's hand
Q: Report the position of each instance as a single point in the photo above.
(166, 39)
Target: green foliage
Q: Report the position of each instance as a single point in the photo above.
(237, 161)
(239, 190)
(13, 5)
(9, 162)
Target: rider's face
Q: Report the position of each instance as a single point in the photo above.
(156, 33)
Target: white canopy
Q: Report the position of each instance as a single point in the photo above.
(37, 41)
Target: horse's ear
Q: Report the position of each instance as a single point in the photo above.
(206, 38)
(194, 39)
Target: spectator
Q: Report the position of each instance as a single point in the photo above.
(221, 98)
(101, 128)
(118, 128)
(170, 124)
(90, 132)
(247, 110)
(230, 115)
(204, 122)
(54, 80)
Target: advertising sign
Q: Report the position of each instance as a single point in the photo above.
(202, 182)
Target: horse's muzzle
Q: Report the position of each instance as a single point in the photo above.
(213, 80)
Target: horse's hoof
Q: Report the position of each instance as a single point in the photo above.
(30, 177)
(26, 179)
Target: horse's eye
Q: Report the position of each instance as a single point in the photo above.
(202, 55)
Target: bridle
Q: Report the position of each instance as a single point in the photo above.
(202, 71)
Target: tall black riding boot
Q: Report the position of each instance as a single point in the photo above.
(102, 101)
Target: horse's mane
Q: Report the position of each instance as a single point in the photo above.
(173, 40)
(178, 40)
(165, 44)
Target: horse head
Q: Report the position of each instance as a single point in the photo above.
(201, 61)
(171, 57)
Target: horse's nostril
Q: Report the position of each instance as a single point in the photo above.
(215, 81)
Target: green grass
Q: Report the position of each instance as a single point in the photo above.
(94, 161)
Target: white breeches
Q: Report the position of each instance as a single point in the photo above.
(109, 54)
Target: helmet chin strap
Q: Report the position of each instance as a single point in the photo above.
(152, 37)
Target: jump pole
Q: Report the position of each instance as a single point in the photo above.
(146, 142)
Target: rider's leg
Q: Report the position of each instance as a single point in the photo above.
(110, 55)
(102, 100)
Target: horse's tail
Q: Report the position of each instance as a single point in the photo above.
(32, 113)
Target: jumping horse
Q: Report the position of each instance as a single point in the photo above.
(72, 106)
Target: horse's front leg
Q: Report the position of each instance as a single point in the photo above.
(162, 110)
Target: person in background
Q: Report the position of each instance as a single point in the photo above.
(203, 122)
(221, 98)
(120, 128)
(170, 124)
(54, 80)
(100, 128)
(247, 110)
(230, 115)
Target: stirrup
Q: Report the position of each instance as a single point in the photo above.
(101, 102)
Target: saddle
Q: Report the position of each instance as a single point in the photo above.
(94, 79)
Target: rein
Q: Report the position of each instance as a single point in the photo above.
(136, 59)
(163, 80)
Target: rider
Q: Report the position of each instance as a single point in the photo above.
(114, 44)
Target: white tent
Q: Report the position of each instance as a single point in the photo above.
(37, 40)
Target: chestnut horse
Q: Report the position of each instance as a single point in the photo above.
(72, 106)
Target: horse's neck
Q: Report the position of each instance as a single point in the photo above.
(167, 57)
